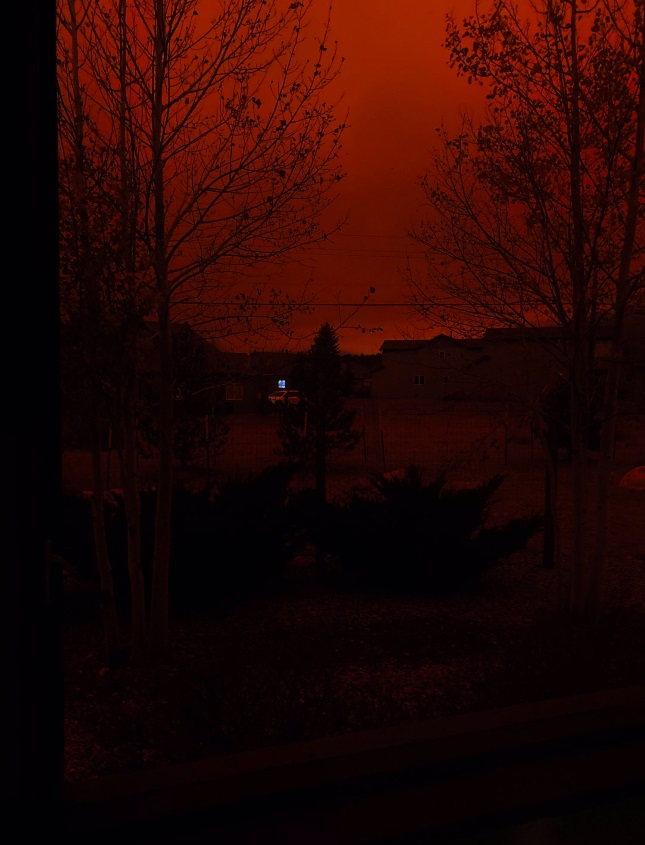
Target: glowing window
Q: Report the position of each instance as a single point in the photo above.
(282, 383)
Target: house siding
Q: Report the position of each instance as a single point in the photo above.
(503, 365)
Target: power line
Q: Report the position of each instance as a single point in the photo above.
(309, 304)
(368, 235)
(366, 253)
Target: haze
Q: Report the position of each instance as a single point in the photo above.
(397, 87)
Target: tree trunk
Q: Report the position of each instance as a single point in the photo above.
(551, 549)
(321, 485)
(579, 583)
(132, 503)
(580, 335)
(624, 292)
(159, 598)
(106, 581)
(89, 289)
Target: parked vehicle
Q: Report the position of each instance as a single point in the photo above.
(284, 397)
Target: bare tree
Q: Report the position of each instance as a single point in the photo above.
(85, 251)
(535, 214)
(229, 156)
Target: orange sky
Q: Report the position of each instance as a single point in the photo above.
(397, 86)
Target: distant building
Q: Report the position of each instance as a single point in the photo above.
(511, 365)
(243, 381)
(426, 369)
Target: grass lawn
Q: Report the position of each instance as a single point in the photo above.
(321, 655)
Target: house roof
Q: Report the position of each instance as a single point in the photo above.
(402, 345)
(227, 362)
(438, 339)
(634, 328)
(525, 333)
(272, 363)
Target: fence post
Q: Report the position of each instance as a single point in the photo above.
(380, 428)
(208, 457)
(109, 457)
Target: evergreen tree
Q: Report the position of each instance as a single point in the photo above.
(320, 423)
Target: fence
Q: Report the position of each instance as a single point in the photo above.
(469, 439)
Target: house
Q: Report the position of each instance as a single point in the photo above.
(249, 382)
(242, 381)
(228, 372)
(270, 371)
(426, 369)
(504, 364)
(527, 359)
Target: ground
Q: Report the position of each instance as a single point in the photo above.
(321, 655)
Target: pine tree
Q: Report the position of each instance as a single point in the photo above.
(320, 423)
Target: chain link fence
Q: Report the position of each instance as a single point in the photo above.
(468, 440)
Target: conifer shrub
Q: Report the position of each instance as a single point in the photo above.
(405, 533)
(232, 542)
(250, 539)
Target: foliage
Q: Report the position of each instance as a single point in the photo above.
(194, 141)
(241, 134)
(527, 207)
(192, 385)
(227, 544)
(535, 213)
(256, 535)
(407, 533)
(323, 379)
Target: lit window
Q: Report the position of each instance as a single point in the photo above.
(419, 379)
(234, 391)
(282, 383)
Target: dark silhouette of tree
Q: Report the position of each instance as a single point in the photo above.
(193, 386)
(208, 138)
(415, 533)
(535, 214)
(320, 424)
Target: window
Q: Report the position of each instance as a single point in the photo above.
(234, 391)
(419, 379)
(282, 383)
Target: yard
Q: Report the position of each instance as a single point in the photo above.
(321, 655)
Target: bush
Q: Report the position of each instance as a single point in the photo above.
(251, 538)
(404, 533)
(231, 544)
